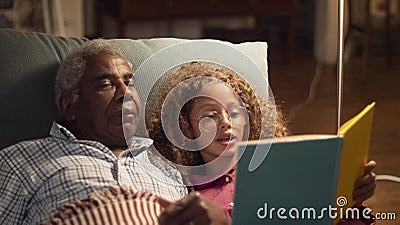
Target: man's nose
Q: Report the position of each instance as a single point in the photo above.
(121, 90)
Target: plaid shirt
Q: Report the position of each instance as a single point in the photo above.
(39, 175)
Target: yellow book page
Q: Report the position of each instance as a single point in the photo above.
(356, 135)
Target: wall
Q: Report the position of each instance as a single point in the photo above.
(74, 21)
(191, 28)
(326, 31)
(59, 17)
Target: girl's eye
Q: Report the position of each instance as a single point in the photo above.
(212, 115)
(234, 114)
(237, 112)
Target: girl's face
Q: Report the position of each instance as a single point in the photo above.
(220, 111)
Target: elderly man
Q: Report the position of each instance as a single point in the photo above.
(87, 151)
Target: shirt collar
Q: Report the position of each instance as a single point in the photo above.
(138, 144)
(230, 174)
(59, 131)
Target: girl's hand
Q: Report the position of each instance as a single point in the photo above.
(364, 186)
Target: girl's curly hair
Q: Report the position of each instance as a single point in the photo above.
(158, 108)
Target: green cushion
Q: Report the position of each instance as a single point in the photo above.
(28, 64)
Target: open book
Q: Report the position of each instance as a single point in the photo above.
(304, 179)
(356, 136)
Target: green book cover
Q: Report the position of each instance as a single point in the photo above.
(295, 184)
(301, 179)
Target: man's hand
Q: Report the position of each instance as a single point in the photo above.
(193, 209)
(364, 187)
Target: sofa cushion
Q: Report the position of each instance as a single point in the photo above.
(28, 65)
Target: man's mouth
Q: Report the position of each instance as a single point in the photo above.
(127, 116)
(129, 108)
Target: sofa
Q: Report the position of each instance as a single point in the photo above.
(28, 65)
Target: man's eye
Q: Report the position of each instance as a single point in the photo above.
(106, 84)
(130, 83)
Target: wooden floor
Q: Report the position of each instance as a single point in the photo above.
(290, 84)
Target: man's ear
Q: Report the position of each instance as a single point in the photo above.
(67, 106)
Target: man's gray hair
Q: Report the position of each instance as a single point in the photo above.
(73, 67)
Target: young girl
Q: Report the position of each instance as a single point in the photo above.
(222, 103)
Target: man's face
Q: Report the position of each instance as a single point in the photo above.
(98, 111)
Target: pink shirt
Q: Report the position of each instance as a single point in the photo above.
(220, 191)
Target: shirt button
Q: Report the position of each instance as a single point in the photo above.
(227, 179)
